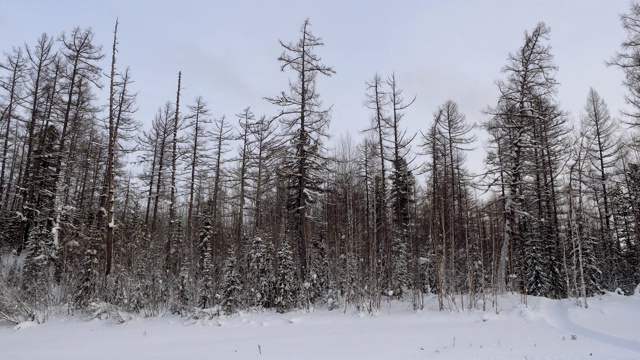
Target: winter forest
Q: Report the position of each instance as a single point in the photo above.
(197, 211)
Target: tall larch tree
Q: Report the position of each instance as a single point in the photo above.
(601, 154)
(15, 66)
(377, 100)
(628, 60)
(305, 123)
(402, 183)
(174, 240)
(120, 128)
(530, 80)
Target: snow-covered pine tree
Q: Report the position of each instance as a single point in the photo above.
(260, 274)
(402, 195)
(540, 267)
(90, 274)
(318, 280)
(41, 253)
(586, 255)
(401, 277)
(624, 237)
(230, 287)
(185, 288)
(205, 266)
(286, 284)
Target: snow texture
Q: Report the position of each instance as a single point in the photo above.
(545, 329)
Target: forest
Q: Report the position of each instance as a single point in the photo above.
(192, 213)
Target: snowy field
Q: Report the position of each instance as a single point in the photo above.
(545, 329)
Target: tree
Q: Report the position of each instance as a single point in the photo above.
(628, 60)
(264, 149)
(120, 126)
(447, 142)
(155, 144)
(245, 119)
(260, 281)
(400, 146)
(206, 266)
(230, 287)
(523, 107)
(82, 57)
(221, 136)
(599, 130)
(586, 273)
(197, 119)
(376, 100)
(40, 89)
(305, 123)
(286, 285)
(15, 64)
(174, 240)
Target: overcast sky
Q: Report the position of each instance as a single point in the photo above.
(439, 50)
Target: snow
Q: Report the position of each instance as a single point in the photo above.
(544, 329)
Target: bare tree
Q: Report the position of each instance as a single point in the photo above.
(245, 119)
(120, 126)
(376, 100)
(627, 59)
(221, 135)
(82, 57)
(197, 119)
(599, 130)
(15, 65)
(173, 244)
(264, 149)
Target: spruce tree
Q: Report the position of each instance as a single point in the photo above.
(286, 285)
(230, 287)
(205, 266)
(260, 274)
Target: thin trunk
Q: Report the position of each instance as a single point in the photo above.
(172, 261)
(109, 176)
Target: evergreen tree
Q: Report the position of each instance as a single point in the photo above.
(230, 287)
(205, 266)
(41, 253)
(317, 283)
(286, 284)
(260, 274)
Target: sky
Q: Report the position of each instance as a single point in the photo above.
(439, 50)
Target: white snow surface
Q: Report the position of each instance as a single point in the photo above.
(543, 329)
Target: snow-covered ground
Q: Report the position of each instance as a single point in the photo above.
(544, 329)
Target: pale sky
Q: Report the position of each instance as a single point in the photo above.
(439, 50)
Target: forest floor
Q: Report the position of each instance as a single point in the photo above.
(543, 329)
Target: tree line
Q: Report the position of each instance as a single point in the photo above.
(257, 211)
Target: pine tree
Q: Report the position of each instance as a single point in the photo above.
(41, 253)
(403, 183)
(205, 266)
(260, 271)
(317, 283)
(230, 287)
(286, 285)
